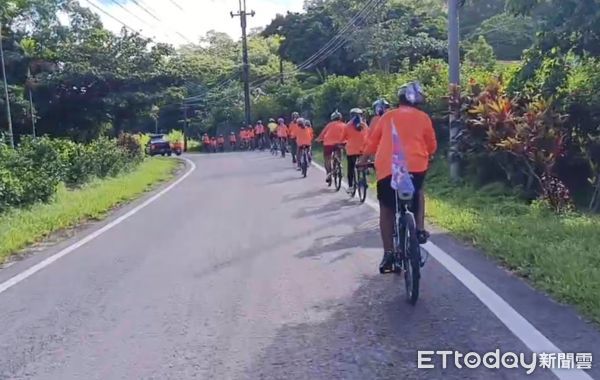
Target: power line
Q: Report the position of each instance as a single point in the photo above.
(335, 43)
(111, 16)
(130, 12)
(177, 5)
(139, 5)
(146, 10)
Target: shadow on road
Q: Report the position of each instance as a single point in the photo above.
(366, 238)
(305, 195)
(375, 334)
(333, 207)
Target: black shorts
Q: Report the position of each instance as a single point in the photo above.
(387, 196)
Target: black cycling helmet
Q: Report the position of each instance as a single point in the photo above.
(295, 115)
(336, 115)
(411, 93)
(259, 122)
(356, 111)
(380, 106)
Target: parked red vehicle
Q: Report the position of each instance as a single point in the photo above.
(158, 145)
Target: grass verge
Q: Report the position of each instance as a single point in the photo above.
(557, 253)
(22, 227)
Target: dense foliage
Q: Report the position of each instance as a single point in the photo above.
(31, 172)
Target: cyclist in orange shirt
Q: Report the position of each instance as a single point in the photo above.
(260, 134)
(213, 144)
(206, 142)
(381, 106)
(292, 136)
(417, 139)
(355, 138)
(243, 138)
(282, 135)
(232, 140)
(221, 143)
(304, 137)
(331, 136)
(250, 136)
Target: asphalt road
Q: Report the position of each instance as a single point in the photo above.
(246, 271)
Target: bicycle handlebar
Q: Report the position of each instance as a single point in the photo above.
(369, 165)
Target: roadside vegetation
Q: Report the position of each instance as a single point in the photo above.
(50, 184)
(69, 207)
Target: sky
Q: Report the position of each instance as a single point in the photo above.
(196, 18)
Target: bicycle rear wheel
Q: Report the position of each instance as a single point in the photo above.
(304, 164)
(354, 188)
(411, 258)
(362, 185)
(337, 175)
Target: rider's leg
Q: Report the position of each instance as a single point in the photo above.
(351, 159)
(294, 150)
(387, 211)
(327, 150)
(418, 206)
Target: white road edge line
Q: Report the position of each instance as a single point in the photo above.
(515, 322)
(49, 260)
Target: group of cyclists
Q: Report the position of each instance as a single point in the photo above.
(406, 128)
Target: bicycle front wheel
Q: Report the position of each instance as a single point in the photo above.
(411, 258)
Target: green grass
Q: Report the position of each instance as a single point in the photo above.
(558, 254)
(22, 227)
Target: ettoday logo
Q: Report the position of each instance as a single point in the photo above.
(497, 359)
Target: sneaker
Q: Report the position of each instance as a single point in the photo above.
(349, 190)
(328, 178)
(423, 237)
(386, 263)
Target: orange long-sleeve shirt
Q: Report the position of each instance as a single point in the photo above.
(303, 136)
(332, 133)
(293, 128)
(415, 130)
(355, 140)
(282, 130)
(373, 124)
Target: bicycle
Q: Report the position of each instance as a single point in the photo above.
(282, 146)
(304, 159)
(407, 251)
(336, 168)
(274, 147)
(361, 184)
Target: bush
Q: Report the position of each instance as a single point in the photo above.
(132, 146)
(31, 172)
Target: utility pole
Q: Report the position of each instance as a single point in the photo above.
(185, 121)
(32, 111)
(7, 99)
(454, 62)
(246, 70)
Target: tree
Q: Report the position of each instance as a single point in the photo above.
(480, 54)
